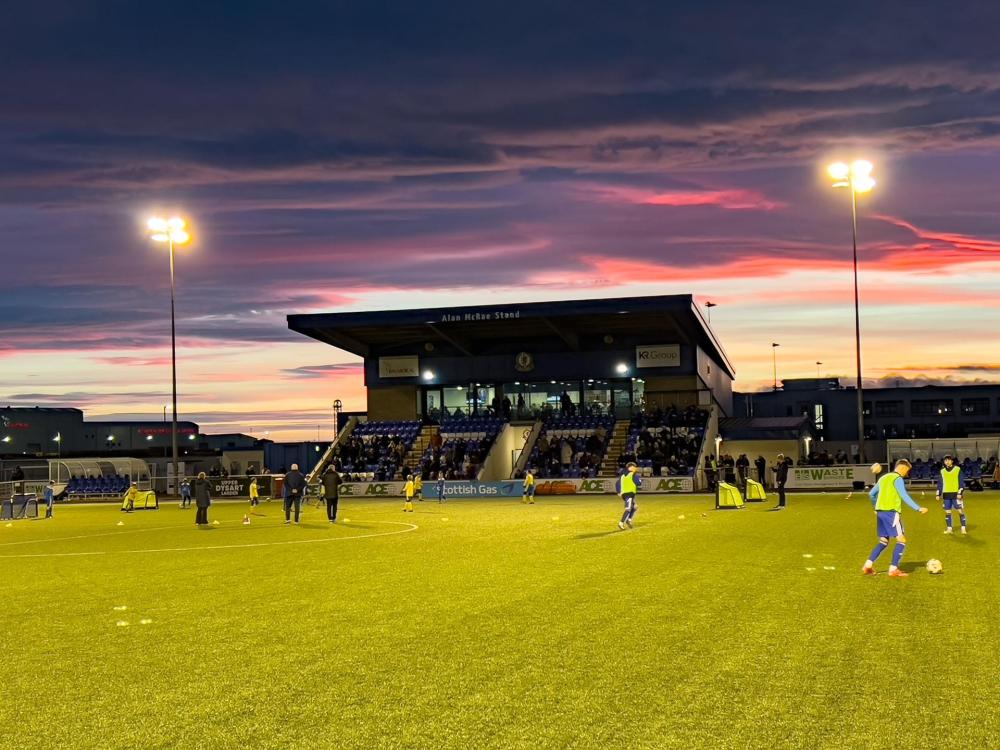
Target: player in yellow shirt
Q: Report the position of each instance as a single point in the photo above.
(254, 493)
(409, 490)
(528, 488)
(418, 487)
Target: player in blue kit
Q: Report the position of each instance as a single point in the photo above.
(888, 496)
(950, 489)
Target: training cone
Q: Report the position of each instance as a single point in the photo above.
(246, 520)
(120, 523)
(215, 523)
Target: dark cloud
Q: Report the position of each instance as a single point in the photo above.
(322, 371)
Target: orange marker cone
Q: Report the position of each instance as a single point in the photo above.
(246, 519)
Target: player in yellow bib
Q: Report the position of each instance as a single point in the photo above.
(628, 487)
(950, 489)
(888, 496)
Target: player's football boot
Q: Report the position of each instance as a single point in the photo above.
(629, 524)
(869, 571)
(964, 530)
(621, 526)
(949, 530)
(897, 573)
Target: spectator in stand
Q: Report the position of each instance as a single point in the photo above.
(565, 453)
(520, 404)
(761, 463)
(565, 404)
(202, 499)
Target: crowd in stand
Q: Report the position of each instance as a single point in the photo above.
(380, 454)
(457, 458)
(570, 456)
(666, 439)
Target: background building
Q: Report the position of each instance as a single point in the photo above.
(932, 411)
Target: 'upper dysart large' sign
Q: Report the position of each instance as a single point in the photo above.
(662, 355)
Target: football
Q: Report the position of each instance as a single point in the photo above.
(934, 567)
(876, 468)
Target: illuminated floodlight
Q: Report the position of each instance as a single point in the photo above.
(172, 230)
(838, 171)
(857, 175)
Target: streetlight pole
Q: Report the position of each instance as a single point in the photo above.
(817, 369)
(857, 178)
(171, 231)
(774, 357)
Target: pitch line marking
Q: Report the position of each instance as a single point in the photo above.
(95, 553)
(92, 536)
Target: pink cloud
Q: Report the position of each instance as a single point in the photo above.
(732, 199)
(967, 246)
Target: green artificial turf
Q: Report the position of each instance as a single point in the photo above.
(498, 625)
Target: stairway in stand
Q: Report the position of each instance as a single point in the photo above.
(423, 440)
(616, 446)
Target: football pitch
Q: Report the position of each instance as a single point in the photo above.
(490, 624)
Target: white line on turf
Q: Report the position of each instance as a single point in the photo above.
(93, 536)
(96, 553)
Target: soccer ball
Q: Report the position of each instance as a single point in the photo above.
(934, 567)
(876, 468)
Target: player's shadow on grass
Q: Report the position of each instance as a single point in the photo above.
(912, 566)
(598, 534)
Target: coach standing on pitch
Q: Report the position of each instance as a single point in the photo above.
(202, 499)
(780, 478)
(331, 492)
(295, 488)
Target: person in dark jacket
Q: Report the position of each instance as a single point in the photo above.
(202, 499)
(295, 488)
(761, 463)
(331, 492)
(780, 478)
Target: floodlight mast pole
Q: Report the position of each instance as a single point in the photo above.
(173, 364)
(857, 324)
